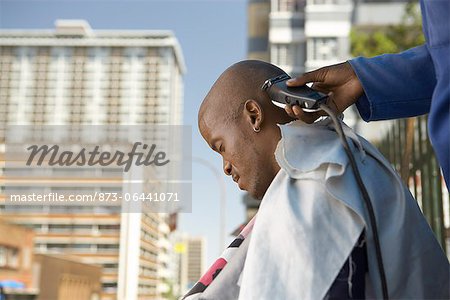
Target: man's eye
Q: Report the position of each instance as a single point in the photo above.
(221, 148)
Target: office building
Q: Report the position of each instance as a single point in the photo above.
(190, 255)
(16, 261)
(195, 253)
(302, 35)
(73, 75)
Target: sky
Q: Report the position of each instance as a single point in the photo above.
(212, 35)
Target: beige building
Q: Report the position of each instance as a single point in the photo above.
(43, 277)
(60, 277)
(195, 257)
(258, 30)
(190, 256)
(299, 35)
(74, 75)
(16, 258)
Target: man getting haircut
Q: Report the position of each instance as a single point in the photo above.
(311, 237)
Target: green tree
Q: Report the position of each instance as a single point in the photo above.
(370, 41)
(170, 294)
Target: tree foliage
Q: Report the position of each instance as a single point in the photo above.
(370, 41)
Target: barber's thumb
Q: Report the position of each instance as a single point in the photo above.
(302, 79)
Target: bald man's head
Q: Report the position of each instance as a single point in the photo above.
(238, 83)
(238, 120)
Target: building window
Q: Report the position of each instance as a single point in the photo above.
(13, 258)
(287, 55)
(109, 228)
(9, 257)
(289, 5)
(324, 48)
(321, 2)
(2, 256)
(108, 247)
(109, 287)
(279, 54)
(110, 267)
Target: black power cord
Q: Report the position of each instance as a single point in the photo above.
(365, 194)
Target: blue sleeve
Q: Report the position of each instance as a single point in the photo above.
(395, 85)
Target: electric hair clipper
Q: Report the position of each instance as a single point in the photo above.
(308, 99)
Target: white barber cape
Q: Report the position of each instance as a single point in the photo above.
(313, 214)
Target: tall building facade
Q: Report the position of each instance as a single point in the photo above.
(302, 35)
(258, 30)
(195, 255)
(74, 75)
(327, 29)
(190, 255)
(16, 256)
(287, 35)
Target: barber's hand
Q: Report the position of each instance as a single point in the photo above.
(338, 81)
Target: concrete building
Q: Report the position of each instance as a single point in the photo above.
(190, 255)
(302, 34)
(258, 30)
(16, 260)
(74, 75)
(287, 35)
(42, 277)
(327, 30)
(60, 277)
(195, 253)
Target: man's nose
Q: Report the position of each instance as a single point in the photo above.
(227, 167)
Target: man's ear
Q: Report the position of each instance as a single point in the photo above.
(253, 113)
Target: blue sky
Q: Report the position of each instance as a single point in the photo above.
(212, 35)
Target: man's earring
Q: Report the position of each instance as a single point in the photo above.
(256, 129)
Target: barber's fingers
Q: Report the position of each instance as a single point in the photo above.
(320, 87)
(306, 117)
(313, 76)
(298, 112)
(289, 111)
(293, 111)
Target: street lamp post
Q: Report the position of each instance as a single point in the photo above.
(223, 199)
